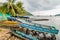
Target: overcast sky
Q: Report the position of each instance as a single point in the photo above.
(41, 7)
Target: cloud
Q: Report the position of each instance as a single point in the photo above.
(48, 12)
(40, 5)
(2, 1)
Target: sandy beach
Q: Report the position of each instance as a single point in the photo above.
(6, 35)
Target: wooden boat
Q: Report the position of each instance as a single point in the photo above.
(22, 35)
(31, 34)
(34, 29)
(39, 28)
(10, 23)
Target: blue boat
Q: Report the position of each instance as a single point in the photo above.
(39, 28)
(22, 35)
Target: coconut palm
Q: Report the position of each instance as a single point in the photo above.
(13, 9)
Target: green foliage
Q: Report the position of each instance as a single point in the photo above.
(13, 9)
(19, 4)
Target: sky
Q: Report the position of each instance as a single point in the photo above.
(41, 7)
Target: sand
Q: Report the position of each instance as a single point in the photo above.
(6, 35)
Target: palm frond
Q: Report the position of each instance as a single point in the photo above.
(13, 9)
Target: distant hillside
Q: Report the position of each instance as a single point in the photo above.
(28, 13)
(57, 15)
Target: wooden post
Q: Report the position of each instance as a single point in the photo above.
(44, 36)
(53, 37)
(38, 35)
(27, 31)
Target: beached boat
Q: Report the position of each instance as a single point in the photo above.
(10, 23)
(31, 34)
(23, 35)
(39, 28)
(35, 29)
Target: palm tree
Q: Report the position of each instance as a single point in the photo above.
(13, 9)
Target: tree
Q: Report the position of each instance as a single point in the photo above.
(13, 9)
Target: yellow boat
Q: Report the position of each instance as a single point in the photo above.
(10, 23)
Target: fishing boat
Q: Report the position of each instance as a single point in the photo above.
(32, 32)
(32, 18)
(22, 35)
(10, 23)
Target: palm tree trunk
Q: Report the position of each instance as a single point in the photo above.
(8, 7)
(13, 10)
